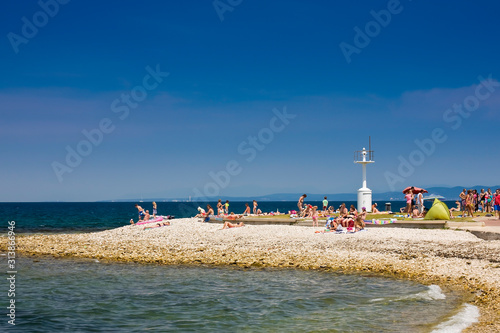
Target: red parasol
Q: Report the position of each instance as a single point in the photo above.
(416, 190)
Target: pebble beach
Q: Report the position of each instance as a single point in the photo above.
(452, 259)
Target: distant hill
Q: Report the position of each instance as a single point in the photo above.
(449, 193)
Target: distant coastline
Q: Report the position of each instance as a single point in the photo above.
(449, 194)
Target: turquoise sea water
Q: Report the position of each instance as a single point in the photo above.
(55, 295)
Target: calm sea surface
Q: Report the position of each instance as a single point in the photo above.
(78, 295)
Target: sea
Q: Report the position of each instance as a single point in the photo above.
(89, 295)
(55, 217)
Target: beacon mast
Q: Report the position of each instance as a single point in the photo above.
(364, 157)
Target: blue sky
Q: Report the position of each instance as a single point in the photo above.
(126, 99)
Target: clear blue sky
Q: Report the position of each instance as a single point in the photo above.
(334, 73)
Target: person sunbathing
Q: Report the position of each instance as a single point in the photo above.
(353, 211)
(376, 211)
(201, 212)
(363, 213)
(359, 224)
(306, 211)
(332, 224)
(228, 225)
(247, 210)
(233, 216)
(416, 213)
(157, 225)
(346, 222)
(455, 209)
(343, 210)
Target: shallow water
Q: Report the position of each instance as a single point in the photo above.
(90, 296)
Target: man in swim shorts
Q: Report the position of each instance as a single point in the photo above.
(462, 196)
(141, 212)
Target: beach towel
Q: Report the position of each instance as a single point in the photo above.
(380, 221)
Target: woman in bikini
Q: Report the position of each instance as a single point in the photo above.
(353, 211)
(363, 213)
(469, 202)
(220, 209)
(409, 198)
(228, 225)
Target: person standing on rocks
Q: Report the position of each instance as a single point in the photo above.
(154, 210)
(497, 203)
(301, 202)
(141, 212)
(420, 202)
(220, 209)
(462, 196)
(409, 198)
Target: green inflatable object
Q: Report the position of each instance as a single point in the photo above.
(438, 211)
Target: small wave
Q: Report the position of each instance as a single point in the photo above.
(468, 315)
(434, 292)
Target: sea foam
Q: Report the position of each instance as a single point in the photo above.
(433, 292)
(467, 315)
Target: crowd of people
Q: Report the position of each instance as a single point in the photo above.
(144, 214)
(350, 218)
(414, 203)
(223, 211)
(472, 201)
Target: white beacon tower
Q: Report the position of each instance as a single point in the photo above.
(364, 157)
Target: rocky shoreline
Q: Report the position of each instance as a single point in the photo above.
(452, 259)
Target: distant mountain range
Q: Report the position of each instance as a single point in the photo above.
(449, 193)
